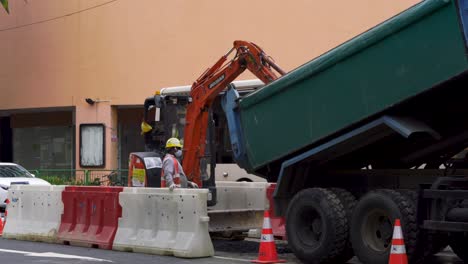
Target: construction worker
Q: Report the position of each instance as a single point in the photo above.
(172, 174)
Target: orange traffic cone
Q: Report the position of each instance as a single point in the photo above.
(3, 221)
(398, 251)
(267, 252)
(1, 226)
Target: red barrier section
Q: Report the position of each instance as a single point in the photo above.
(277, 223)
(90, 216)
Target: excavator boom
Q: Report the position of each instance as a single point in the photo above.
(205, 89)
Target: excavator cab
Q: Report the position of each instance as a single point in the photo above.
(164, 117)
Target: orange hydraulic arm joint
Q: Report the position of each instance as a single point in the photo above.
(208, 86)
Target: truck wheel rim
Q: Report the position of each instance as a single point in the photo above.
(377, 230)
(311, 232)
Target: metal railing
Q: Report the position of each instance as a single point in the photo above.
(82, 177)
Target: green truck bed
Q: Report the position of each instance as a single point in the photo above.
(398, 59)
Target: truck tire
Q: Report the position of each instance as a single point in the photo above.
(372, 225)
(317, 226)
(428, 243)
(349, 202)
(459, 246)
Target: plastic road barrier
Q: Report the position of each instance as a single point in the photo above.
(158, 221)
(90, 216)
(34, 213)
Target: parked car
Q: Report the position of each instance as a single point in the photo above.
(11, 173)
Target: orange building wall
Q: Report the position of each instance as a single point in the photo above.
(56, 53)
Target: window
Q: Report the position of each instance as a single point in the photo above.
(92, 145)
(8, 171)
(44, 147)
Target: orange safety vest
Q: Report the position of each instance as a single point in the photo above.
(176, 177)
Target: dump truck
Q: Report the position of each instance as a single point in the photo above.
(372, 131)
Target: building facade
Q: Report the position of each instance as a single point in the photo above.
(74, 74)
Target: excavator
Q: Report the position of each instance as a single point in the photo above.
(195, 115)
(205, 89)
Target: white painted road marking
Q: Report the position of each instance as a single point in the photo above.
(237, 259)
(52, 255)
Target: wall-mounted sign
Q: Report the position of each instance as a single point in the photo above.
(92, 145)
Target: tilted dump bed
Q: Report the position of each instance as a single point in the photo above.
(384, 70)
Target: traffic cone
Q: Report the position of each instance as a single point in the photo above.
(398, 251)
(267, 252)
(7, 202)
(3, 221)
(1, 227)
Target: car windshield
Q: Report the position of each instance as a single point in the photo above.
(13, 171)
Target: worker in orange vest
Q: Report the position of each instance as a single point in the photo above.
(172, 174)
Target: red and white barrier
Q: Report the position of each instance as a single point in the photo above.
(150, 220)
(90, 216)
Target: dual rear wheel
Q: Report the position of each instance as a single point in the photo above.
(317, 226)
(322, 224)
(373, 223)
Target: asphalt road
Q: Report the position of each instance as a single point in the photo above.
(22, 252)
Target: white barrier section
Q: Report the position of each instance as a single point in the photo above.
(158, 221)
(239, 207)
(234, 196)
(34, 213)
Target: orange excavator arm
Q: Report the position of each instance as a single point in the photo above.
(208, 86)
